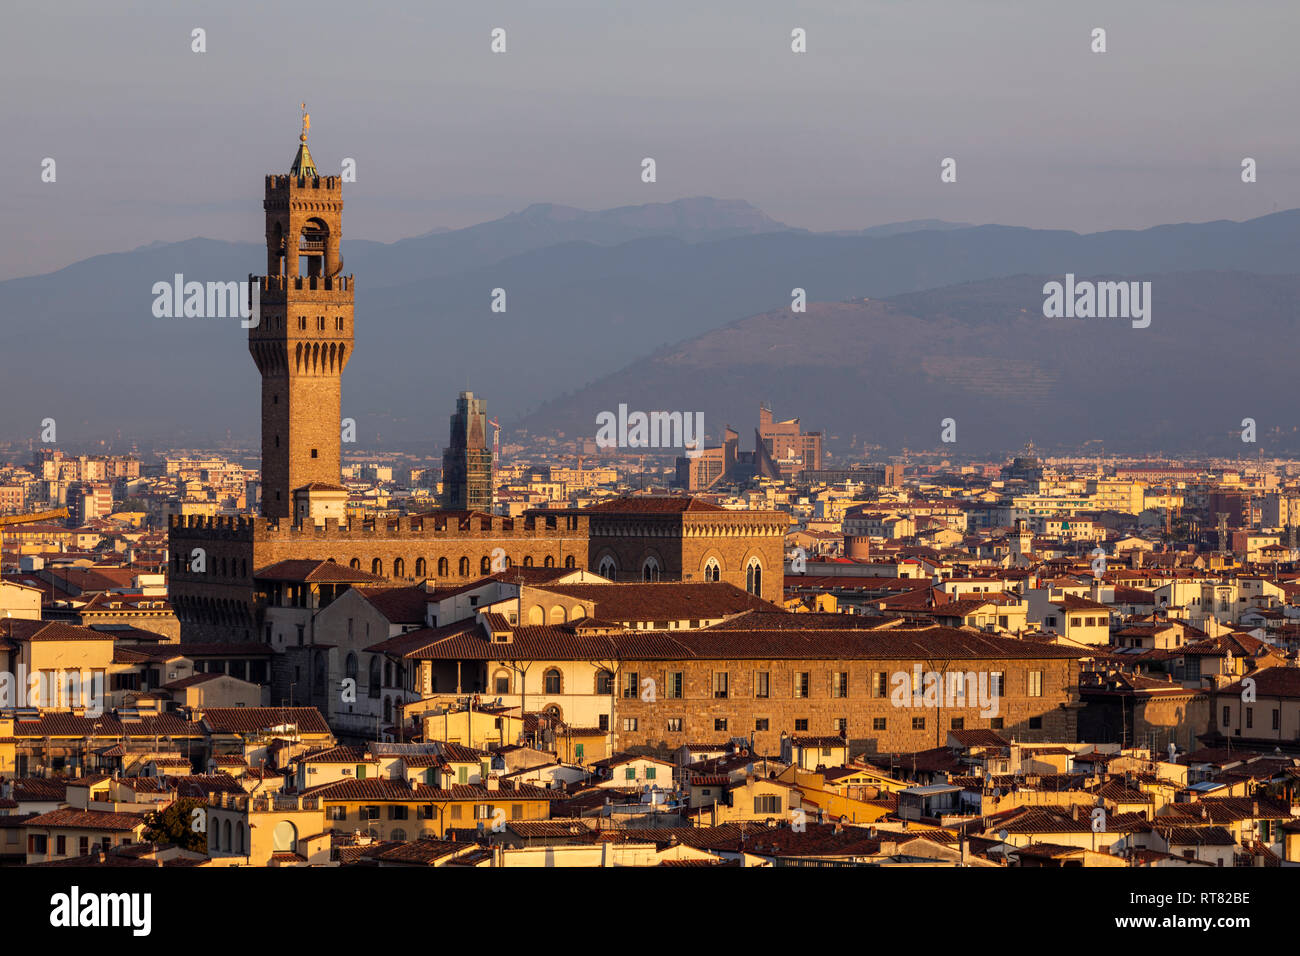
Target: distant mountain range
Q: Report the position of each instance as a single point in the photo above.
(590, 293)
(1222, 346)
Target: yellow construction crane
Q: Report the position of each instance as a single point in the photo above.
(32, 517)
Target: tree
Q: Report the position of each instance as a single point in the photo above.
(179, 823)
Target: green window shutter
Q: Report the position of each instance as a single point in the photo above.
(361, 771)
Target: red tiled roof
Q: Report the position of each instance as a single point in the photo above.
(342, 755)
(24, 630)
(425, 851)
(63, 724)
(201, 678)
(399, 791)
(69, 818)
(252, 720)
(663, 601)
(556, 642)
(404, 605)
(652, 504)
(39, 789)
(1269, 682)
(199, 785)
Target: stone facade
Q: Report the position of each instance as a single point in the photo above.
(1048, 717)
(685, 543)
(446, 548)
(304, 338)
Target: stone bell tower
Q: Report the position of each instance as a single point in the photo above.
(304, 338)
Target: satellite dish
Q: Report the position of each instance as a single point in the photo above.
(1002, 836)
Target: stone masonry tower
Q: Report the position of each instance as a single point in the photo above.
(304, 338)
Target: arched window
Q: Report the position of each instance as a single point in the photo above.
(608, 569)
(226, 841)
(712, 570)
(388, 673)
(650, 570)
(399, 568)
(549, 562)
(536, 615)
(551, 682)
(397, 834)
(284, 837)
(754, 577)
(604, 682)
(355, 564)
(419, 568)
(241, 837)
(557, 614)
(350, 668)
(485, 565)
(388, 710)
(377, 567)
(528, 560)
(569, 562)
(442, 567)
(464, 567)
(579, 610)
(376, 669)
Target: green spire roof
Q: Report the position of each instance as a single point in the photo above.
(302, 163)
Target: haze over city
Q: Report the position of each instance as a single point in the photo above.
(858, 436)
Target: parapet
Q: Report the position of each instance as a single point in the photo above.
(273, 286)
(276, 183)
(264, 803)
(434, 525)
(214, 527)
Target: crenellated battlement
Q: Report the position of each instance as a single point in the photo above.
(279, 286)
(429, 526)
(214, 527)
(281, 184)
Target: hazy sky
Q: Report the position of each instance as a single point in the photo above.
(155, 142)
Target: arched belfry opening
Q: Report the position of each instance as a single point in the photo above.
(313, 247)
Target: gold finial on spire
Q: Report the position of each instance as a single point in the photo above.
(306, 123)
